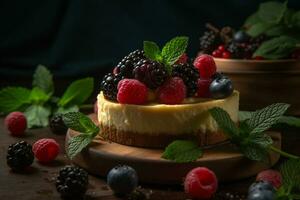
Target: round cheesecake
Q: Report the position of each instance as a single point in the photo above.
(157, 125)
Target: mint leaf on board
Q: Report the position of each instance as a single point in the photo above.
(37, 116)
(77, 92)
(290, 171)
(272, 12)
(77, 144)
(13, 99)
(152, 51)
(38, 96)
(42, 78)
(81, 123)
(263, 119)
(276, 48)
(182, 151)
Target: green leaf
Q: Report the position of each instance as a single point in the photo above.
(263, 119)
(64, 110)
(38, 96)
(272, 12)
(152, 51)
(291, 121)
(276, 48)
(224, 121)
(42, 78)
(77, 144)
(13, 98)
(244, 115)
(81, 123)
(252, 19)
(290, 171)
(258, 29)
(182, 151)
(277, 31)
(174, 49)
(37, 116)
(254, 152)
(296, 19)
(78, 92)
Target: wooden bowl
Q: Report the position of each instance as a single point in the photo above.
(263, 82)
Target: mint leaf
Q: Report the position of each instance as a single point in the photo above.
(77, 144)
(290, 121)
(258, 28)
(77, 92)
(38, 96)
(182, 151)
(81, 123)
(263, 119)
(254, 152)
(152, 51)
(272, 12)
(290, 171)
(64, 110)
(42, 78)
(13, 98)
(252, 19)
(296, 19)
(37, 116)
(244, 115)
(174, 49)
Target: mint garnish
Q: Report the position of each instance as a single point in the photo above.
(13, 98)
(152, 51)
(43, 79)
(182, 151)
(37, 116)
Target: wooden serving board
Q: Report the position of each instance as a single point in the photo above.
(225, 161)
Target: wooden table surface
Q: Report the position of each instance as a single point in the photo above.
(38, 184)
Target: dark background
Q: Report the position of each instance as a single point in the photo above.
(88, 37)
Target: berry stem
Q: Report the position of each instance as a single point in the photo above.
(283, 153)
(86, 106)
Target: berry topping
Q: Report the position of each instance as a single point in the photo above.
(131, 91)
(203, 88)
(72, 182)
(19, 156)
(205, 65)
(272, 176)
(45, 150)
(152, 73)
(261, 191)
(241, 37)
(189, 74)
(221, 48)
(173, 91)
(217, 54)
(209, 41)
(221, 87)
(109, 86)
(182, 59)
(200, 183)
(122, 180)
(16, 123)
(57, 124)
(226, 55)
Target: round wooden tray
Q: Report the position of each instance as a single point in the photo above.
(225, 161)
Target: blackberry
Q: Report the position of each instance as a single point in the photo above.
(152, 73)
(57, 124)
(72, 182)
(126, 65)
(109, 86)
(237, 50)
(189, 75)
(19, 156)
(209, 41)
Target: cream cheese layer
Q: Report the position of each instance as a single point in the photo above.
(189, 118)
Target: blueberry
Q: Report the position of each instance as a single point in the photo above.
(221, 87)
(261, 185)
(122, 180)
(261, 195)
(241, 37)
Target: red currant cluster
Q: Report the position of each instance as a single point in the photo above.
(221, 52)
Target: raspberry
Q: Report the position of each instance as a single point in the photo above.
(16, 123)
(173, 91)
(205, 65)
(272, 176)
(200, 183)
(131, 91)
(203, 88)
(182, 59)
(45, 150)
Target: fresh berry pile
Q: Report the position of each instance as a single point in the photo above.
(143, 77)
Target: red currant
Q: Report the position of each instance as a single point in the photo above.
(259, 58)
(226, 55)
(217, 54)
(221, 48)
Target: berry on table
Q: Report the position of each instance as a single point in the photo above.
(173, 91)
(122, 180)
(19, 156)
(16, 123)
(203, 88)
(221, 87)
(109, 86)
(45, 150)
(261, 191)
(72, 182)
(131, 91)
(205, 65)
(201, 183)
(272, 176)
(57, 124)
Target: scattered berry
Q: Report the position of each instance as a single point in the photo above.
(203, 88)
(16, 123)
(72, 182)
(272, 176)
(183, 59)
(122, 180)
(45, 150)
(217, 54)
(221, 48)
(209, 41)
(173, 91)
(109, 86)
(19, 156)
(241, 37)
(261, 191)
(131, 91)
(221, 88)
(189, 74)
(57, 124)
(205, 65)
(226, 55)
(200, 183)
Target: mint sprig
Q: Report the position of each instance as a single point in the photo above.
(13, 99)
(43, 79)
